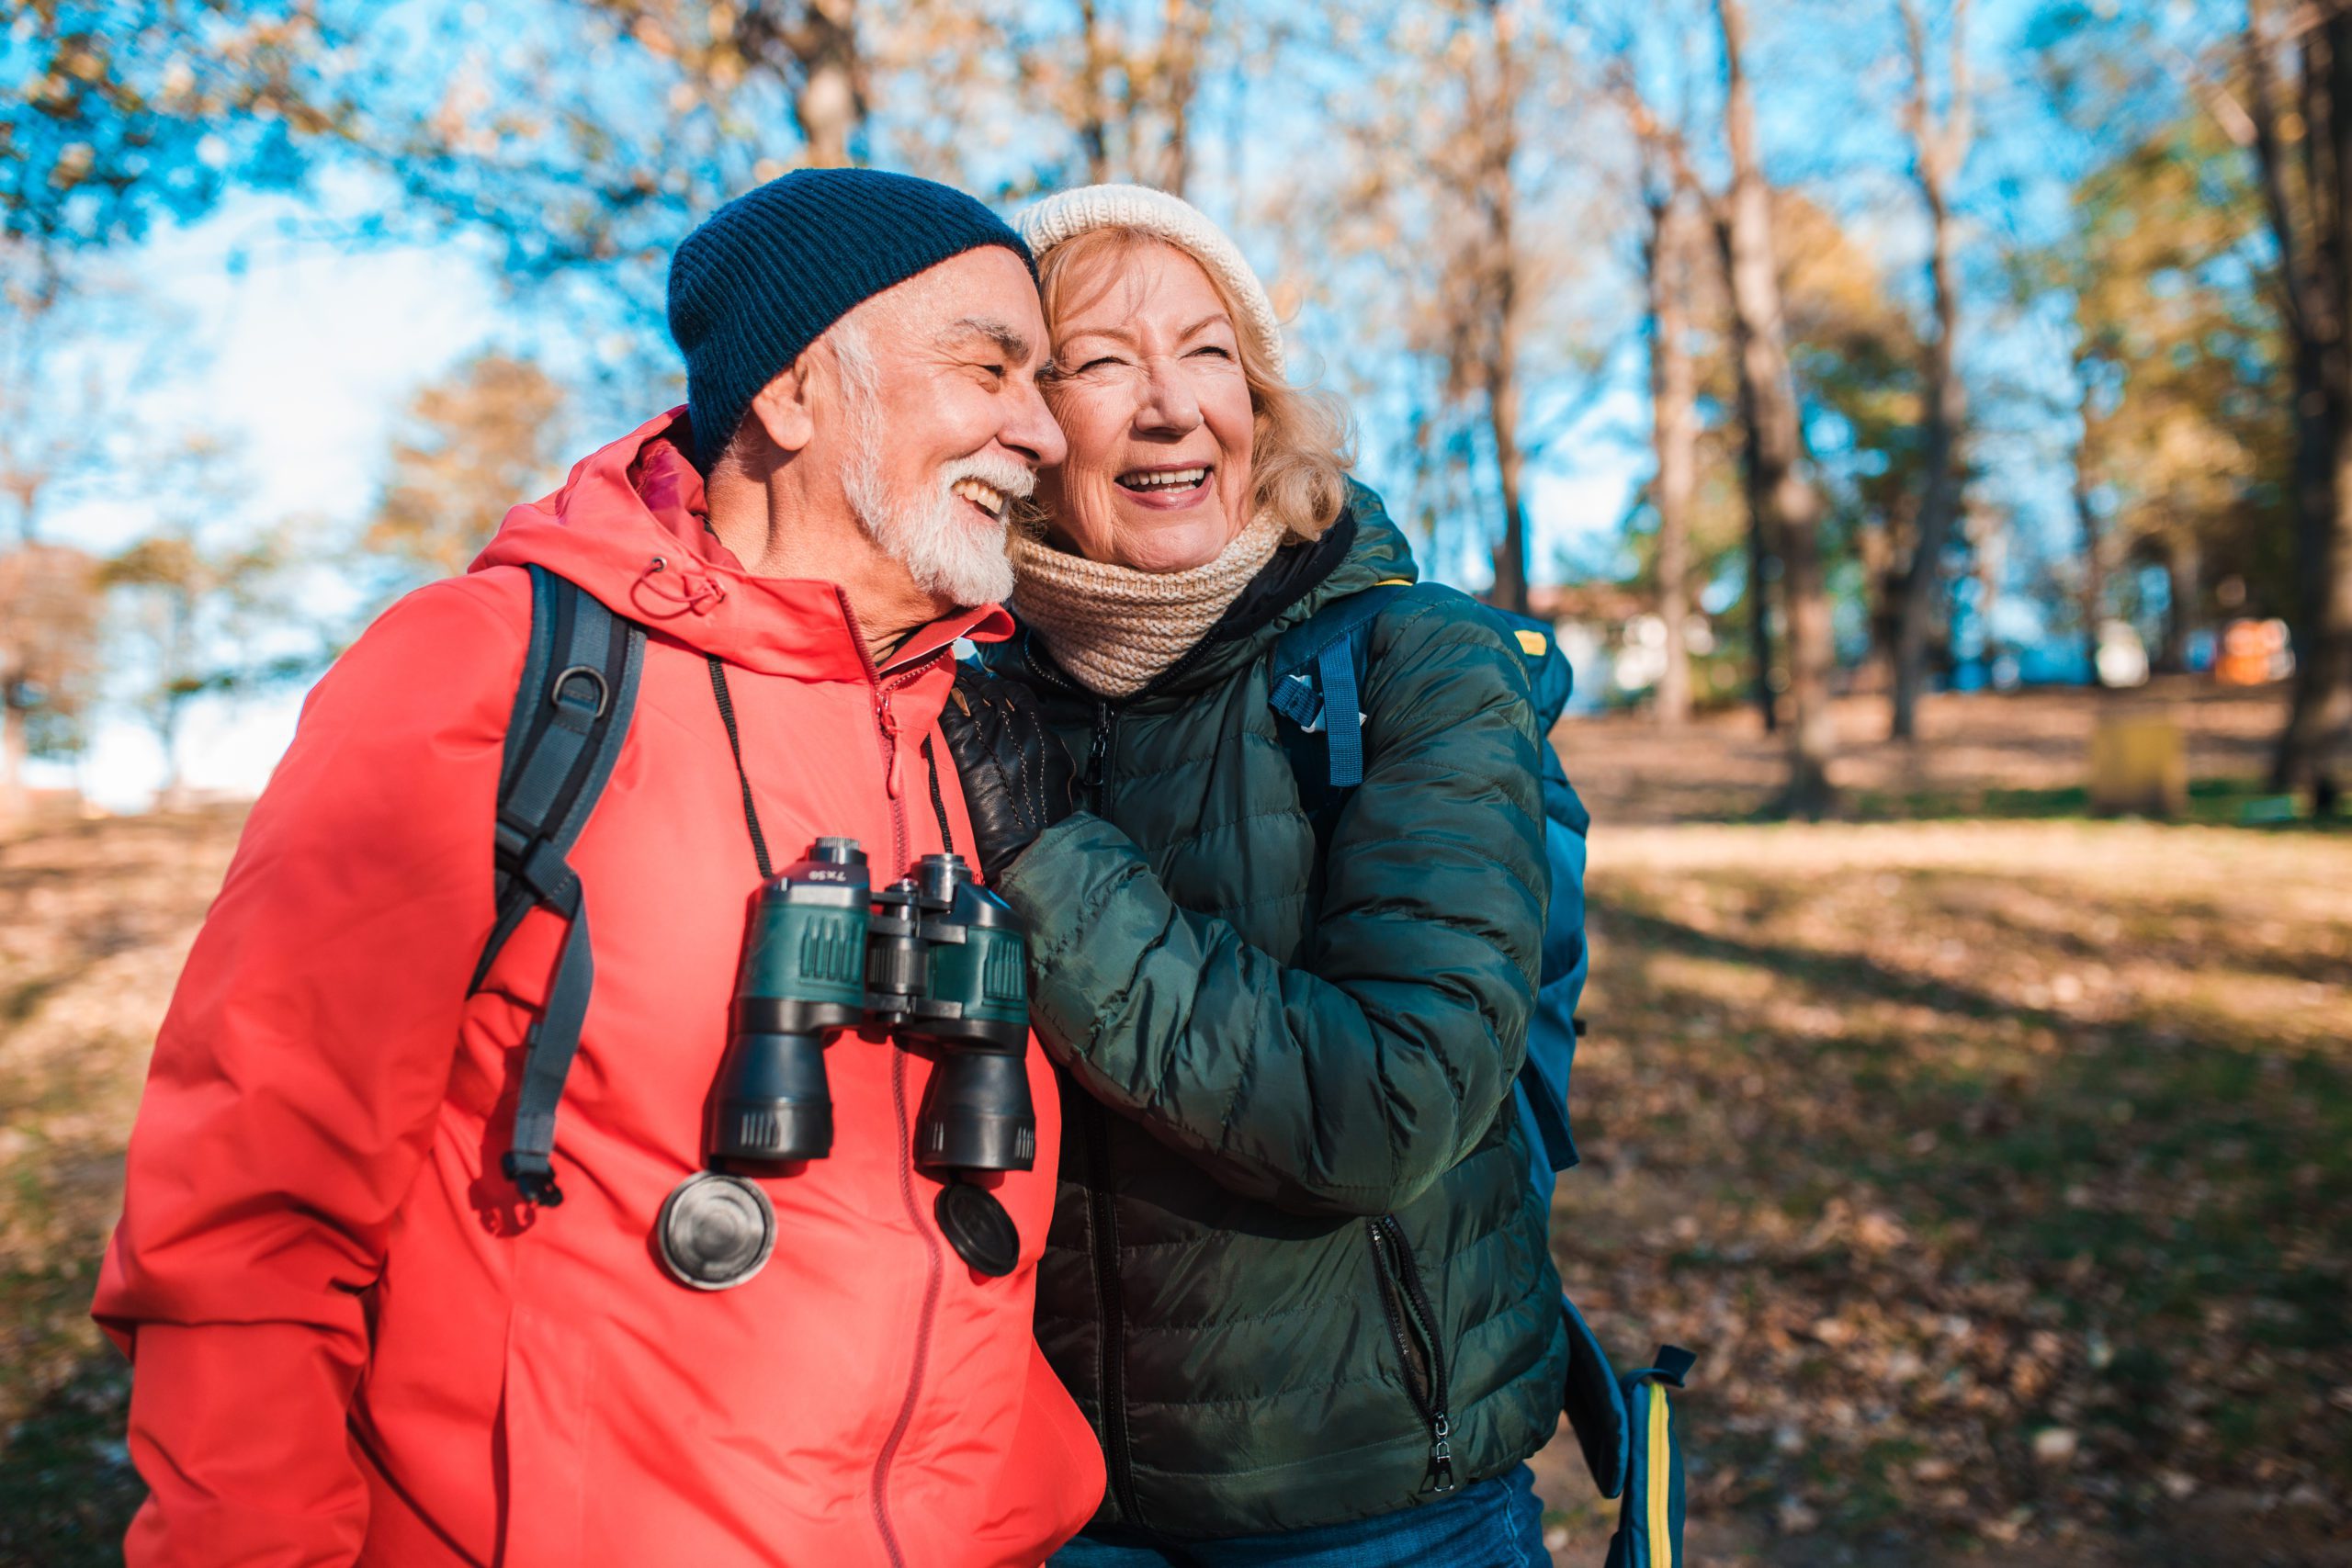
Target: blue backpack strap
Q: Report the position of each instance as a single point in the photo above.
(571, 712)
(1316, 679)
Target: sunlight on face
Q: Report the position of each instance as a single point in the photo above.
(945, 428)
(1150, 392)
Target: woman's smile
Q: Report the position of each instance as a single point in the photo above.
(1167, 487)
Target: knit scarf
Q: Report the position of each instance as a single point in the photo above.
(1113, 628)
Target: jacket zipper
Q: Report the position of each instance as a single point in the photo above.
(1098, 754)
(931, 1283)
(886, 729)
(1111, 1375)
(1104, 1231)
(1402, 1300)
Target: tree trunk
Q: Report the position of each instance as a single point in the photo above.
(829, 105)
(1674, 433)
(1763, 557)
(2315, 286)
(1783, 501)
(1093, 117)
(1498, 196)
(1874, 547)
(1988, 544)
(1511, 554)
(14, 798)
(2184, 586)
(1939, 145)
(2094, 584)
(1183, 24)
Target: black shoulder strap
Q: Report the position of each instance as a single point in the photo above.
(572, 711)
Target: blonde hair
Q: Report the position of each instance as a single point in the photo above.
(1302, 444)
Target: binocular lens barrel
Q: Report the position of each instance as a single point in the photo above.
(975, 1114)
(772, 1103)
(803, 973)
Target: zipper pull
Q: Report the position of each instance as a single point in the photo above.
(1440, 1476)
(887, 723)
(1098, 755)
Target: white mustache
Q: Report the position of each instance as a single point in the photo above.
(1015, 480)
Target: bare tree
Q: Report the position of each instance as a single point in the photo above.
(2311, 217)
(1184, 28)
(2091, 593)
(1784, 502)
(473, 445)
(1667, 258)
(49, 656)
(193, 615)
(1488, 356)
(1940, 142)
(808, 46)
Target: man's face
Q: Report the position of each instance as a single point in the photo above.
(945, 426)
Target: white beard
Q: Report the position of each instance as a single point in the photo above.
(944, 546)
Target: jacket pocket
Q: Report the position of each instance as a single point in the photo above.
(1420, 1355)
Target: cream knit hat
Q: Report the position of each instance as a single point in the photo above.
(1068, 214)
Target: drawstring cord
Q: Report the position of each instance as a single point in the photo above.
(702, 595)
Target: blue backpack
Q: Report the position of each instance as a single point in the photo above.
(1622, 1423)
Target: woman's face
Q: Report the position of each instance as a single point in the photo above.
(1149, 388)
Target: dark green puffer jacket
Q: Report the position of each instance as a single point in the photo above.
(1288, 1136)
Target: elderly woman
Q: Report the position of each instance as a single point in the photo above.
(1298, 1275)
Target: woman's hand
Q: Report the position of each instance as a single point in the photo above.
(1017, 775)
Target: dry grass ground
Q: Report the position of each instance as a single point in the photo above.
(1999, 1166)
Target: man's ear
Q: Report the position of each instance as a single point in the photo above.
(783, 409)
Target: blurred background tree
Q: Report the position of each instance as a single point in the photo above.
(474, 444)
(1876, 348)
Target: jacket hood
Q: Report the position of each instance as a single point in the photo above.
(627, 525)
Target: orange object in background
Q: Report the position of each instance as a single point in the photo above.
(2253, 653)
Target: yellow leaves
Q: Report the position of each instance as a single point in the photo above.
(656, 38)
(73, 162)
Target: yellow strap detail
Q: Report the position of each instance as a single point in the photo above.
(1530, 644)
(1394, 582)
(1661, 1483)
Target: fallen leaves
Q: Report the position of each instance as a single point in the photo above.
(1987, 1165)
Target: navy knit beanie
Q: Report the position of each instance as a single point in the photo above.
(763, 276)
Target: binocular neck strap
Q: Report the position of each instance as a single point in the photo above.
(735, 745)
(750, 808)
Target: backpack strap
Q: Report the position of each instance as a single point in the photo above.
(1315, 682)
(571, 712)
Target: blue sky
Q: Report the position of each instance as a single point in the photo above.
(302, 358)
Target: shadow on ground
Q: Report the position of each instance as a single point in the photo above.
(2002, 1249)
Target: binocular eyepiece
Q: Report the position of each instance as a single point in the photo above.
(934, 959)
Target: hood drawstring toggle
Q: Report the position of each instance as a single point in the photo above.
(701, 595)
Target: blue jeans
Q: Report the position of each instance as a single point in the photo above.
(1490, 1524)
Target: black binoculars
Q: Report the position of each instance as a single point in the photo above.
(935, 960)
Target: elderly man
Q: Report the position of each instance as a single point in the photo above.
(385, 1306)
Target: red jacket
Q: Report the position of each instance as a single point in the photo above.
(351, 1345)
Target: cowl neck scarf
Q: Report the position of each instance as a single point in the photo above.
(1113, 628)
